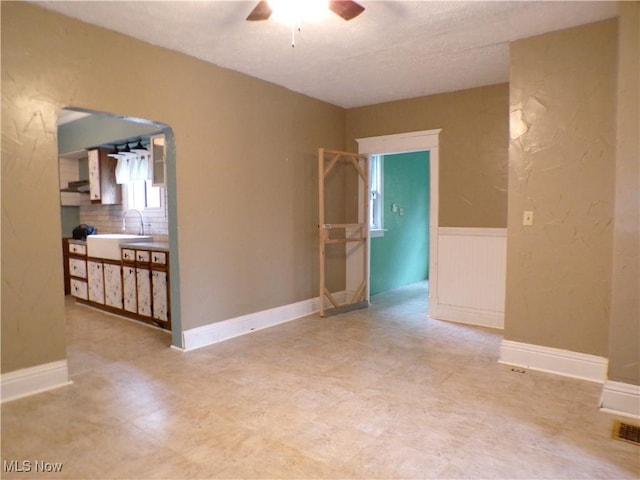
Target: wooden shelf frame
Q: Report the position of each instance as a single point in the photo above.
(354, 233)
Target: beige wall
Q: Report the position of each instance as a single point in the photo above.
(561, 166)
(625, 297)
(246, 174)
(473, 147)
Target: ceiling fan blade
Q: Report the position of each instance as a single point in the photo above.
(347, 9)
(262, 11)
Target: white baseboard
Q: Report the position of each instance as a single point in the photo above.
(554, 360)
(217, 332)
(621, 399)
(469, 316)
(29, 381)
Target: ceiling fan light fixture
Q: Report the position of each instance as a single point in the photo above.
(296, 11)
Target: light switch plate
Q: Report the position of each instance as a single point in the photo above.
(527, 218)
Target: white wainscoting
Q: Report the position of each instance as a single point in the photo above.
(471, 273)
(29, 381)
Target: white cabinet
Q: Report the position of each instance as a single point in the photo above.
(79, 289)
(95, 275)
(158, 160)
(78, 267)
(78, 249)
(130, 290)
(113, 285)
(137, 286)
(103, 188)
(95, 192)
(159, 287)
(78, 270)
(128, 255)
(146, 285)
(143, 284)
(159, 259)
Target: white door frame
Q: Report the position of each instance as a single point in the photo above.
(426, 140)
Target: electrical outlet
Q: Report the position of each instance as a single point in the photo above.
(527, 218)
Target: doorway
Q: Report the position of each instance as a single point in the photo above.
(420, 141)
(83, 133)
(400, 220)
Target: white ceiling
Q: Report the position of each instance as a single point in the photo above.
(394, 50)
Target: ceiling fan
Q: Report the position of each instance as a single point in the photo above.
(347, 9)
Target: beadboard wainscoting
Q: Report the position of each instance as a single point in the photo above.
(471, 267)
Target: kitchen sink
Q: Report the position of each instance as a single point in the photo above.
(107, 245)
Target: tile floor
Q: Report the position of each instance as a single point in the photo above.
(373, 394)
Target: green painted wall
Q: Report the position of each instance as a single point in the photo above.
(70, 219)
(401, 257)
(101, 128)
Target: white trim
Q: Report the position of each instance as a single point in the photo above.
(425, 140)
(468, 316)
(219, 331)
(473, 231)
(621, 399)
(32, 380)
(554, 360)
(399, 143)
(378, 205)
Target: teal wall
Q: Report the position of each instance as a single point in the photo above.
(99, 129)
(70, 219)
(401, 257)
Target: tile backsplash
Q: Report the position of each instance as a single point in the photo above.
(108, 219)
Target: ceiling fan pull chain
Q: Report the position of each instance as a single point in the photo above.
(297, 25)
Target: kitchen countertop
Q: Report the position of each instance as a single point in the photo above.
(160, 246)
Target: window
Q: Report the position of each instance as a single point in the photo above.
(376, 208)
(143, 195)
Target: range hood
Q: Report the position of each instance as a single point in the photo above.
(80, 186)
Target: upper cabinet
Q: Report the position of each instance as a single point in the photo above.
(158, 157)
(103, 188)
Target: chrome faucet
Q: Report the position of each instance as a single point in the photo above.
(124, 217)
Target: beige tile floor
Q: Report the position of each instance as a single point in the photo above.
(378, 393)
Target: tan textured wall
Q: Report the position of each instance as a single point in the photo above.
(625, 297)
(246, 173)
(473, 147)
(561, 166)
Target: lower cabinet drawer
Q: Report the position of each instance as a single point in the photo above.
(79, 289)
(77, 268)
(77, 249)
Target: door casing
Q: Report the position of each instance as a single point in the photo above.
(425, 140)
